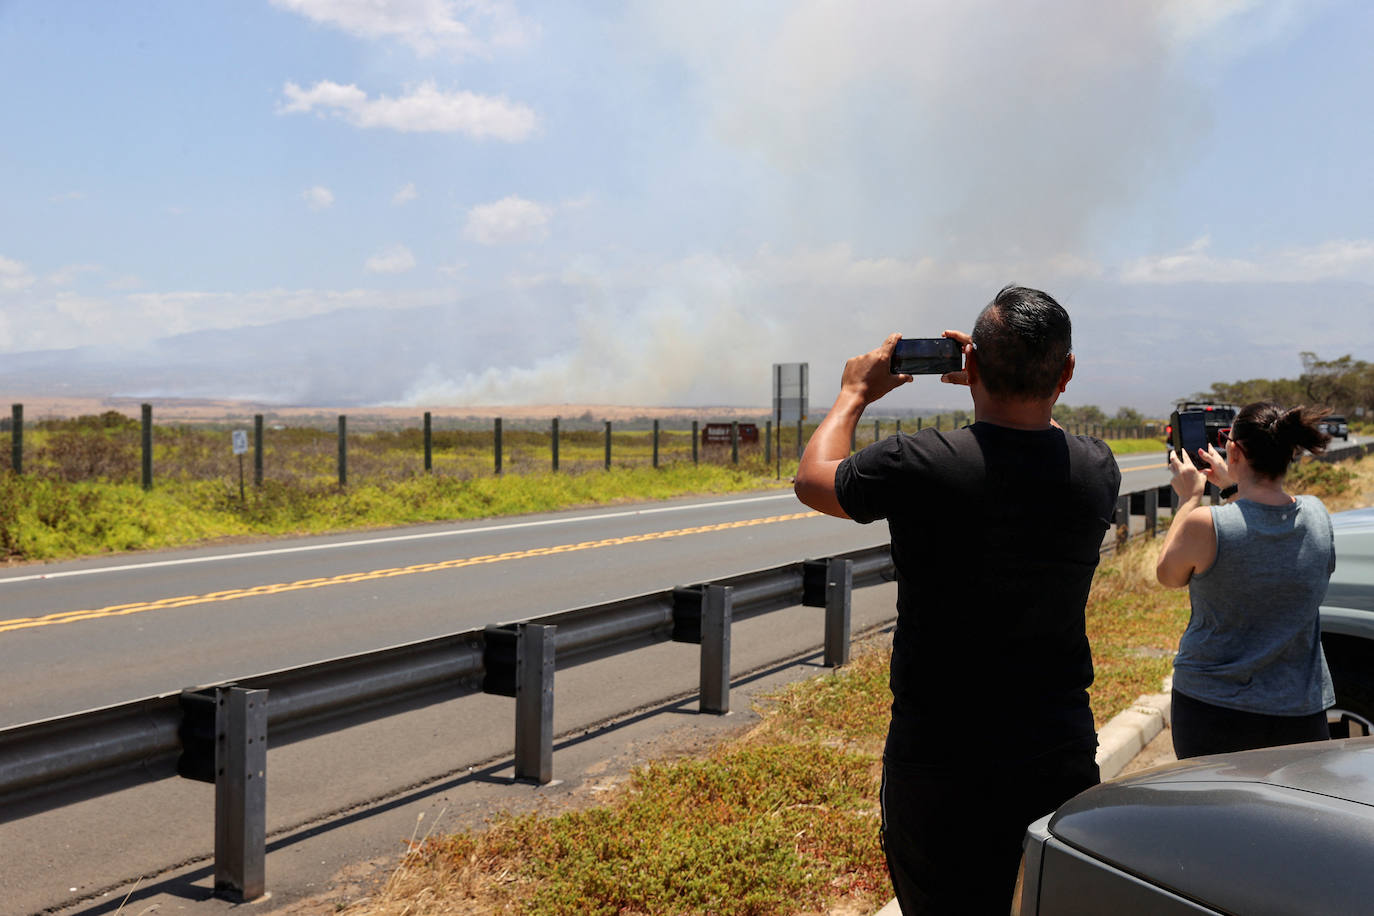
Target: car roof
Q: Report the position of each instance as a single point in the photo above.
(1354, 520)
(1287, 829)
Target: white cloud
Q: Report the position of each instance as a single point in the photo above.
(405, 194)
(425, 109)
(394, 260)
(1341, 259)
(425, 25)
(14, 275)
(318, 197)
(509, 220)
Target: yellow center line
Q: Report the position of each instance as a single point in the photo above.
(119, 610)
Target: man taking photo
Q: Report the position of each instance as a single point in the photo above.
(996, 530)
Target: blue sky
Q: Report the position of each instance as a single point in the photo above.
(650, 203)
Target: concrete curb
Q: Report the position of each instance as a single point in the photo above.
(1130, 730)
(1117, 743)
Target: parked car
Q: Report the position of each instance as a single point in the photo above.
(1285, 830)
(1336, 427)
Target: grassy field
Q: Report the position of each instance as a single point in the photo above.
(81, 491)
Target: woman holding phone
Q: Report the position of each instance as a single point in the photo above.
(1250, 670)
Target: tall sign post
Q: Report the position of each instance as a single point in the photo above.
(790, 390)
(239, 438)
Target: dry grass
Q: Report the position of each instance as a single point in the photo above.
(781, 821)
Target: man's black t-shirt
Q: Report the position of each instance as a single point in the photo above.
(996, 533)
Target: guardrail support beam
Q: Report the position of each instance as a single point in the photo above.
(716, 612)
(1151, 512)
(240, 793)
(839, 583)
(1123, 519)
(534, 650)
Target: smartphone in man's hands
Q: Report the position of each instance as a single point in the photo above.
(926, 356)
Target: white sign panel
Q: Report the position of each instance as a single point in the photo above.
(240, 441)
(790, 390)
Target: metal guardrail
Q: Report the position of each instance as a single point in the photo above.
(218, 732)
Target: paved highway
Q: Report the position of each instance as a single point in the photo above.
(93, 632)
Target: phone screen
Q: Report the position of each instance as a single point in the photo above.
(1190, 434)
(926, 356)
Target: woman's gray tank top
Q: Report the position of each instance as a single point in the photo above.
(1254, 640)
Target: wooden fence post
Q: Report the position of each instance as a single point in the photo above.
(147, 446)
(694, 442)
(429, 444)
(655, 443)
(608, 445)
(555, 444)
(257, 449)
(496, 433)
(17, 438)
(343, 451)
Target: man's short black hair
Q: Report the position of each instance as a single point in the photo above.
(1023, 337)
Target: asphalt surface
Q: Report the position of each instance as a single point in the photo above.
(95, 632)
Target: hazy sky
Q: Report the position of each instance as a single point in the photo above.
(650, 203)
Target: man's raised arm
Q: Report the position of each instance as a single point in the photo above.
(866, 379)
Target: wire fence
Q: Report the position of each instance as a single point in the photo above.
(118, 448)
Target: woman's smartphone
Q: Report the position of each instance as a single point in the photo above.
(1190, 434)
(926, 356)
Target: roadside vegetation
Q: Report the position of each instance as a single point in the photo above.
(81, 491)
(783, 820)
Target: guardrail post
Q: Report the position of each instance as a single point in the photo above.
(829, 584)
(1151, 512)
(534, 651)
(608, 445)
(694, 442)
(734, 442)
(839, 582)
(17, 438)
(768, 442)
(655, 443)
(554, 434)
(1123, 519)
(716, 608)
(800, 444)
(240, 793)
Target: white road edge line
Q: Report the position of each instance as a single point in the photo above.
(186, 561)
